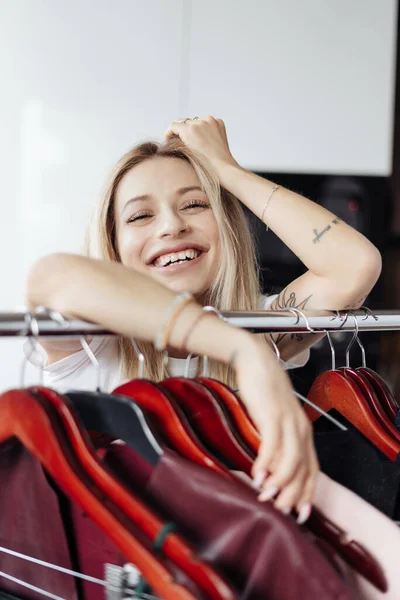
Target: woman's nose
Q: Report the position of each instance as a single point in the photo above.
(172, 224)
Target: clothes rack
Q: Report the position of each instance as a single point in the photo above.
(14, 324)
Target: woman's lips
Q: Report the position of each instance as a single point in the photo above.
(180, 266)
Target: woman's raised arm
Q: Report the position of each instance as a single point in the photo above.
(343, 266)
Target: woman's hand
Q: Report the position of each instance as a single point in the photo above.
(286, 467)
(205, 135)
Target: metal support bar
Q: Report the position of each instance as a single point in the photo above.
(14, 324)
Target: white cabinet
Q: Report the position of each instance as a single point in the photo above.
(303, 86)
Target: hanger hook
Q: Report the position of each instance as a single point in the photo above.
(368, 313)
(205, 358)
(187, 365)
(55, 315)
(298, 312)
(93, 360)
(328, 335)
(353, 339)
(31, 330)
(140, 357)
(363, 357)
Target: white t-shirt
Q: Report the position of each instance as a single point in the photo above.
(78, 372)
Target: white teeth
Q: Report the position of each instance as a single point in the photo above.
(165, 259)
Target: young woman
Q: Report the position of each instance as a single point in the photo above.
(171, 222)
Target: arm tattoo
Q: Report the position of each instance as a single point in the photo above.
(282, 302)
(356, 304)
(320, 234)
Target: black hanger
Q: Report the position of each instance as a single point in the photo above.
(7, 596)
(120, 418)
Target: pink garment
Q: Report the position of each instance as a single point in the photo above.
(367, 525)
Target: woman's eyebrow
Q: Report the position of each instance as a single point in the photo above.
(190, 188)
(180, 192)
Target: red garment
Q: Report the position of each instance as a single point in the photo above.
(261, 551)
(31, 523)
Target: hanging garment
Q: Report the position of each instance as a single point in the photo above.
(31, 523)
(348, 458)
(262, 552)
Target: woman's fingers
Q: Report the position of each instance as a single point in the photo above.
(287, 451)
(175, 129)
(267, 451)
(295, 468)
(291, 456)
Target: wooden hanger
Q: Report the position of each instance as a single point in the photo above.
(174, 548)
(382, 390)
(171, 421)
(374, 402)
(27, 418)
(210, 421)
(237, 411)
(333, 390)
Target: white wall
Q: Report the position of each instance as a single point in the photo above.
(303, 86)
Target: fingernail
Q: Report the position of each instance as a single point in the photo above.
(304, 513)
(259, 479)
(268, 494)
(285, 510)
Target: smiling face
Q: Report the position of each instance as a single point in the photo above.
(165, 227)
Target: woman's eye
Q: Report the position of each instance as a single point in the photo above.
(196, 204)
(138, 217)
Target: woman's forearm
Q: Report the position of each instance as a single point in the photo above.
(327, 246)
(126, 302)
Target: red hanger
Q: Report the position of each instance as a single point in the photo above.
(170, 421)
(28, 419)
(210, 421)
(382, 390)
(373, 401)
(237, 411)
(174, 548)
(333, 390)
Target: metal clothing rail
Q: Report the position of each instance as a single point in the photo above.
(15, 324)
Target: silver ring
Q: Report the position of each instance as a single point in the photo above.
(183, 121)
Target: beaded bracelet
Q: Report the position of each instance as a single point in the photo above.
(178, 303)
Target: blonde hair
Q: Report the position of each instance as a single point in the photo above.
(236, 285)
